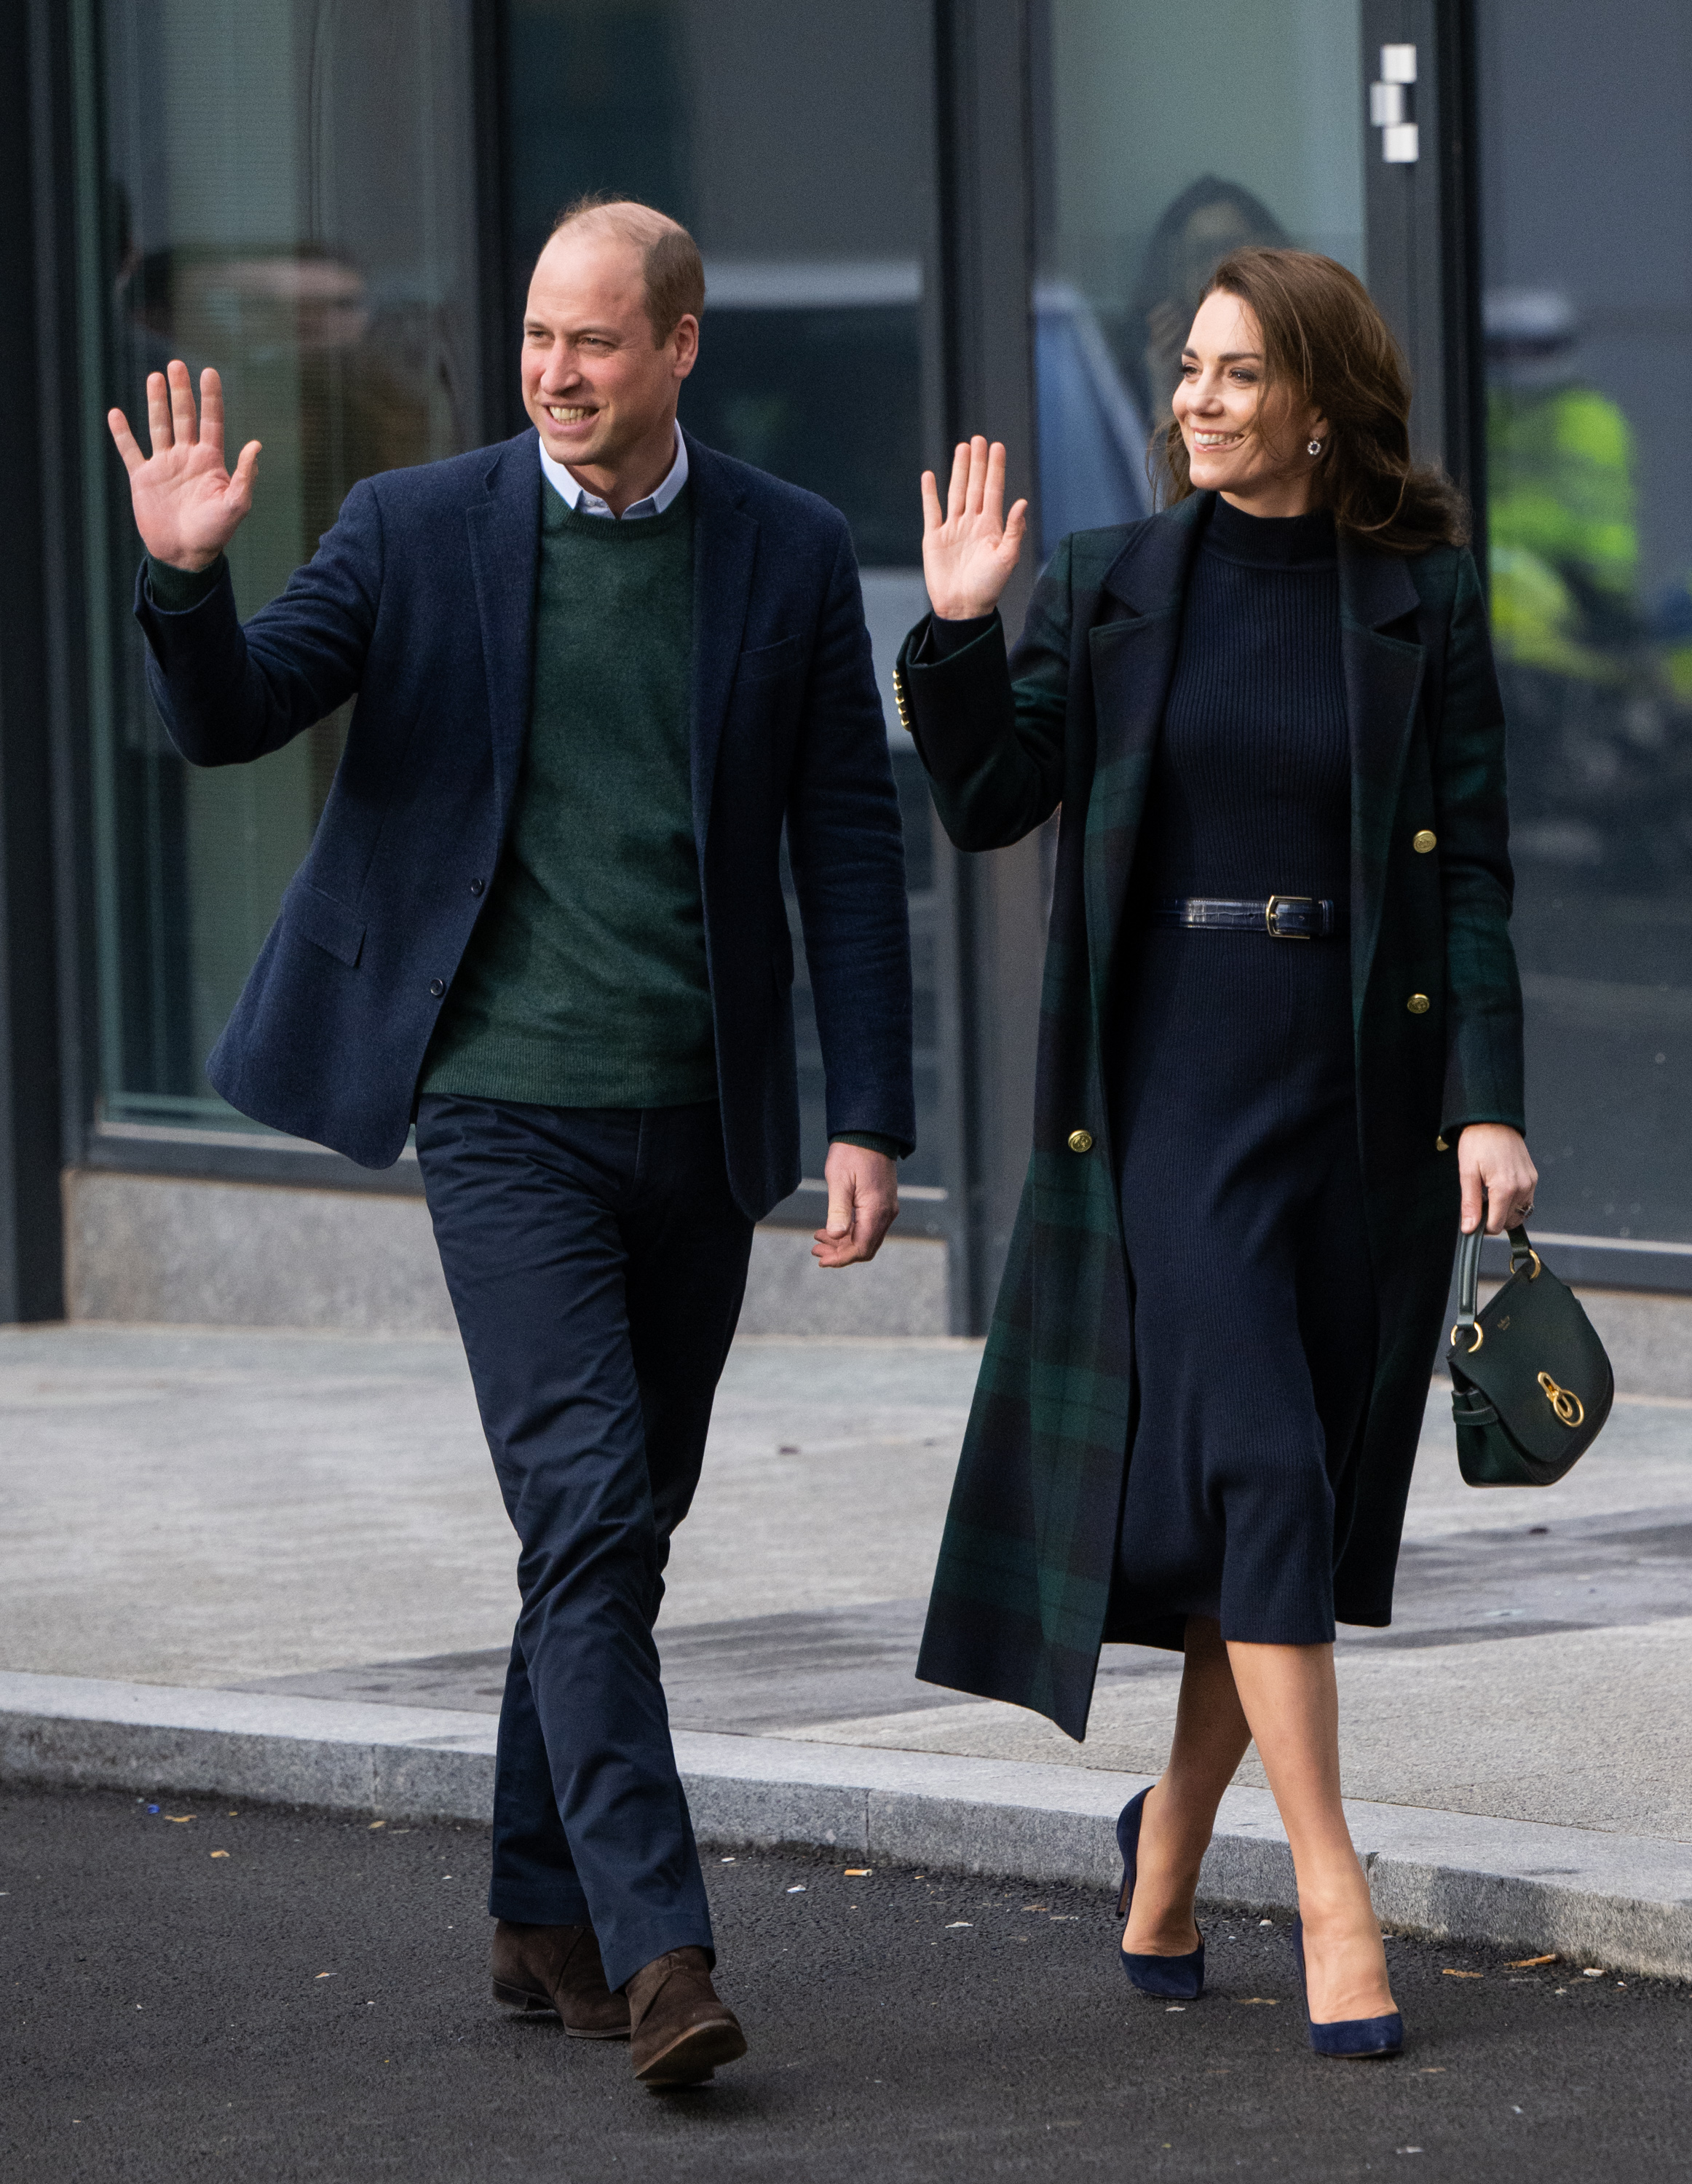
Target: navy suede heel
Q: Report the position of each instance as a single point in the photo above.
(1358, 2039)
(1174, 1979)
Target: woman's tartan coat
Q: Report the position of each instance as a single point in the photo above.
(1022, 1598)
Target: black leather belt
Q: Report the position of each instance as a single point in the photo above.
(1282, 916)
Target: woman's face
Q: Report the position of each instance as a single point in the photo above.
(1253, 449)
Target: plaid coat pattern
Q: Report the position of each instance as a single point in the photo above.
(1022, 1595)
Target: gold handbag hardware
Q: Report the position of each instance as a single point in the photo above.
(1568, 1407)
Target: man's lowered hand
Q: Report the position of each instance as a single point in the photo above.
(863, 1204)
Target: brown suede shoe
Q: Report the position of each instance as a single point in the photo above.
(681, 2030)
(540, 1967)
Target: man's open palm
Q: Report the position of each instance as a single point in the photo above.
(187, 507)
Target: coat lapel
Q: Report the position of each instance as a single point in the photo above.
(504, 548)
(1383, 684)
(725, 551)
(1133, 649)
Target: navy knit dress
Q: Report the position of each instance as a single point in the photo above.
(1235, 1116)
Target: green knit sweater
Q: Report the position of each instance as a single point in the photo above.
(584, 983)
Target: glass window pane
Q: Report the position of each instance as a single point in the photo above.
(796, 145)
(1165, 141)
(285, 192)
(1587, 315)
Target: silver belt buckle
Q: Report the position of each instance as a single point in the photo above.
(1271, 910)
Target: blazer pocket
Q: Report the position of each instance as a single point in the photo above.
(327, 924)
(763, 660)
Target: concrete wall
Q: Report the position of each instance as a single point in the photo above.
(163, 1248)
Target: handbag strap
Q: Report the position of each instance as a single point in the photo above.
(1469, 1268)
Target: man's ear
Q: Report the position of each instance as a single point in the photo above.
(685, 344)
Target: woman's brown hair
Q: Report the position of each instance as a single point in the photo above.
(1325, 342)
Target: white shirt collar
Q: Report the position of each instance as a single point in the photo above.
(577, 495)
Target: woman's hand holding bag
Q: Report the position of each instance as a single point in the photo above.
(1531, 1384)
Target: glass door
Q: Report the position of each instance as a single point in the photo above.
(798, 145)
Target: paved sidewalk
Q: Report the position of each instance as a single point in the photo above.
(315, 1518)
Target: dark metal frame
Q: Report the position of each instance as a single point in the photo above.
(1423, 229)
(31, 1252)
(992, 909)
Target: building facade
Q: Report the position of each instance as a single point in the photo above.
(919, 218)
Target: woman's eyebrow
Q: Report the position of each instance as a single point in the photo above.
(1228, 356)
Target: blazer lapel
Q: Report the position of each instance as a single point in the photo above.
(1382, 685)
(504, 548)
(725, 552)
(1132, 650)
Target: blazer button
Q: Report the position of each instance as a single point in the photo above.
(1422, 841)
(1418, 1005)
(437, 987)
(476, 886)
(1440, 1146)
(1081, 1141)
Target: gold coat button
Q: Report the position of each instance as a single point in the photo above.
(1440, 1146)
(1081, 1141)
(1418, 1005)
(1423, 841)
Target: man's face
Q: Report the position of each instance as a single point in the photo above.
(601, 391)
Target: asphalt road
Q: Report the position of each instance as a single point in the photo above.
(312, 2004)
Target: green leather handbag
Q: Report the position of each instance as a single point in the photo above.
(1532, 1385)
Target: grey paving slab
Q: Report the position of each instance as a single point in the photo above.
(206, 1506)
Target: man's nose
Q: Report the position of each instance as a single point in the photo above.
(560, 371)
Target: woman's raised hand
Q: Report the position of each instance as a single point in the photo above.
(969, 553)
(187, 507)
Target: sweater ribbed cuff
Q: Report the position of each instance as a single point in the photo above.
(943, 638)
(176, 591)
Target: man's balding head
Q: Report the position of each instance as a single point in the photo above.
(610, 330)
(672, 272)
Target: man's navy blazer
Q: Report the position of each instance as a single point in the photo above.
(420, 603)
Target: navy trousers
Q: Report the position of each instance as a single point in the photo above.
(596, 1260)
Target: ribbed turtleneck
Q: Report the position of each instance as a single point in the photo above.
(1251, 792)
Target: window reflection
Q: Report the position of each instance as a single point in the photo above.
(286, 195)
(1588, 318)
(798, 146)
(1157, 156)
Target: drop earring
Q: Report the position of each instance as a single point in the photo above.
(1316, 447)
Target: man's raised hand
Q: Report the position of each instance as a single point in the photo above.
(187, 507)
(969, 553)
